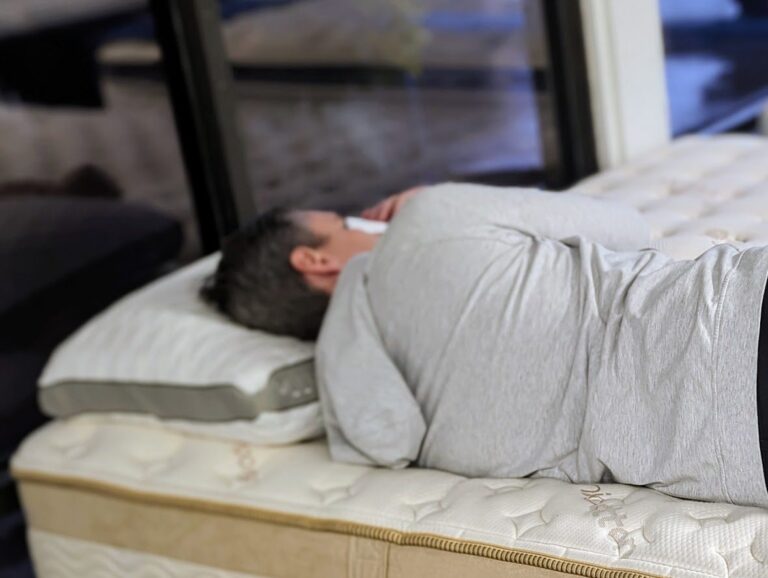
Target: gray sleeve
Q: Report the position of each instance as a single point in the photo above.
(371, 416)
(561, 216)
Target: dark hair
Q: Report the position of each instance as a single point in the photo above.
(256, 285)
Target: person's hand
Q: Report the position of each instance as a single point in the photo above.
(386, 209)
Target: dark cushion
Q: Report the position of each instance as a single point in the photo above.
(62, 261)
(19, 411)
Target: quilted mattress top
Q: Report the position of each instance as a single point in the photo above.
(605, 526)
(696, 193)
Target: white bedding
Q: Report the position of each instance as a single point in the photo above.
(268, 429)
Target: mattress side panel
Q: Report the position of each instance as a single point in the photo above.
(240, 545)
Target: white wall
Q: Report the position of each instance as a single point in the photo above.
(625, 57)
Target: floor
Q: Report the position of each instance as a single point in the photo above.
(22, 569)
(14, 562)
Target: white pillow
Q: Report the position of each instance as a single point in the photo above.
(162, 351)
(270, 428)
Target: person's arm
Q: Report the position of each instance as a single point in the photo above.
(370, 414)
(560, 216)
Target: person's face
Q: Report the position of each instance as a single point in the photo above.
(321, 265)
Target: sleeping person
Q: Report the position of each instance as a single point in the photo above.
(508, 333)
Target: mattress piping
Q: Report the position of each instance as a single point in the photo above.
(397, 537)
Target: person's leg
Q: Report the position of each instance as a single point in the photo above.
(762, 385)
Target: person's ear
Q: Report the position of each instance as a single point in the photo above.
(311, 261)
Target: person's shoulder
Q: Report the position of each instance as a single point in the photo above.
(348, 302)
(355, 269)
(350, 283)
(428, 197)
(421, 213)
(458, 197)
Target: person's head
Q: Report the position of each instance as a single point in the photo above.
(278, 272)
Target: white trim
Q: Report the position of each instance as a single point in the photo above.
(625, 58)
(763, 122)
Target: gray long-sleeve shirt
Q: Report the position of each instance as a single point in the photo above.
(508, 332)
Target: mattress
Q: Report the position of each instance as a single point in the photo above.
(347, 146)
(17, 16)
(118, 498)
(341, 101)
(412, 36)
(291, 511)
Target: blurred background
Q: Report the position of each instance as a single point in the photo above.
(135, 135)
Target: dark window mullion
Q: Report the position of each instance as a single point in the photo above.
(200, 82)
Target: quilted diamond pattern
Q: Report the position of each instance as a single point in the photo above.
(610, 525)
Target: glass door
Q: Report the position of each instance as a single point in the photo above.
(717, 79)
(336, 103)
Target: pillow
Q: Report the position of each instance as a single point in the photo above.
(270, 428)
(162, 351)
